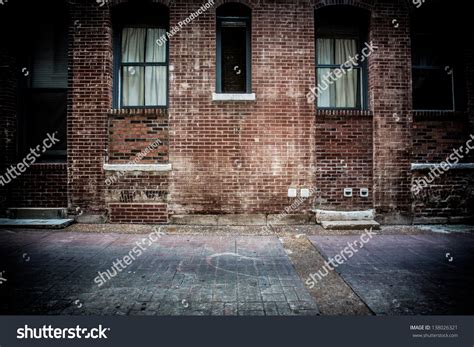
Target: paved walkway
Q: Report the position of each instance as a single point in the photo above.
(215, 272)
(408, 274)
(58, 273)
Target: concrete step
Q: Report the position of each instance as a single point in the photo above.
(36, 223)
(350, 225)
(326, 215)
(37, 213)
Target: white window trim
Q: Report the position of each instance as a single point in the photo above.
(137, 167)
(234, 97)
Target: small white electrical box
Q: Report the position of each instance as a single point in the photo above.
(304, 193)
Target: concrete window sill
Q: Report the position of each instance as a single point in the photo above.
(233, 97)
(428, 166)
(137, 167)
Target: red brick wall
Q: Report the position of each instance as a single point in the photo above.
(344, 159)
(90, 101)
(130, 134)
(391, 100)
(7, 117)
(242, 157)
(234, 157)
(138, 213)
(42, 185)
(139, 189)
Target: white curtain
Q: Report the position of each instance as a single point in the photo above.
(155, 79)
(154, 52)
(342, 93)
(155, 76)
(346, 86)
(143, 86)
(325, 56)
(133, 45)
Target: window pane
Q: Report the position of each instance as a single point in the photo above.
(154, 52)
(50, 56)
(345, 49)
(155, 82)
(325, 91)
(325, 51)
(347, 91)
(432, 89)
(133, 45)
(45, 112)
(234, 57)
(133, 86)
(343, 93)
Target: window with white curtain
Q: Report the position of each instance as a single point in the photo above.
(143, 76)
(342, 81)
(345, 92)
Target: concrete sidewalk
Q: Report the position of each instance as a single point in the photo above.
(232, 271)
(60, 273)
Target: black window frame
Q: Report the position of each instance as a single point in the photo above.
(147, 22)
(362, 68)
(27, 90)
(248, 53)
(444, 67)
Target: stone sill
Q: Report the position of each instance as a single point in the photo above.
(428, 166)
(234, 97)
(137, 167)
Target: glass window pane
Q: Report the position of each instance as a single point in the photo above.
(156, 86)
(432, 89)
(132, 86)
(347, 91)
(325, 90)
(133, 45)
(344, 92)
(345, 49)
(325, 51)
(155, 53)
(234, 57)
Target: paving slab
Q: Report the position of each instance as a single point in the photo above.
(407, 274)
(87, 274)
(36, 223)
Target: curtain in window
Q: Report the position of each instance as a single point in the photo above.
(143, 85)
(343, 92)
(155, 76)
(325, 57)
(346, 86)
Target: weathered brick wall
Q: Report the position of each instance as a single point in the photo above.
(140, 189)
(242, 157)
(90, 101)
(7, 116)
(435, 136)
(391, 102)
(234, 157)
(139, 213)
(344, 159)
(130, 134)
(448, 199)
(42, 185)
